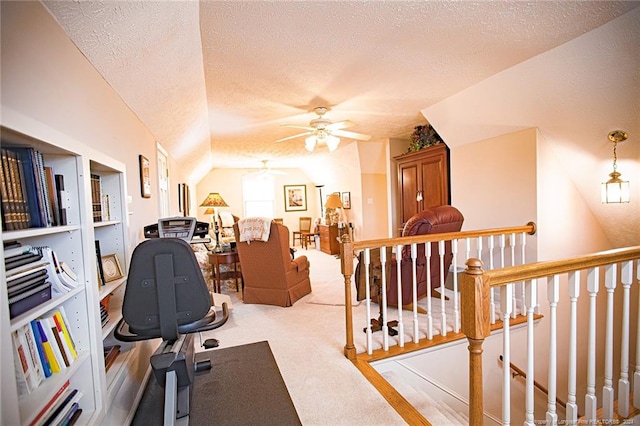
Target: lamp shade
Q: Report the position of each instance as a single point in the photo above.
(214, 200)
(209, 210)
(334, 202)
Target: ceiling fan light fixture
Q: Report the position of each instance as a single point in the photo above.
(332, 142)
(310, 143)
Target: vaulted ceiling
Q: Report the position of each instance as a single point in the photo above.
(216, 80)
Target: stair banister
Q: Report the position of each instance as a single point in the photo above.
(476, 325)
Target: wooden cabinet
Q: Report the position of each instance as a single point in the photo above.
(329, 239)
(423, 180)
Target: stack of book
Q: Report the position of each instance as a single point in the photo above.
(43, 347)
(62, 409)
(32, 194)
(28, 280)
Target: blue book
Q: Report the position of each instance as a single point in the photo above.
(46, 367)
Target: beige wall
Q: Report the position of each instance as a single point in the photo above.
(44, 77)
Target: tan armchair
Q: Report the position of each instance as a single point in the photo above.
(270, 275)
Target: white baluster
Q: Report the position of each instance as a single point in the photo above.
(623, 382)
(553, 295)
(516, 306)
(530, 294)
(456, 302)
(636, 375)
(414, 257)
(590, 399)
(443, 297)
(502, 250)
(427, 255)
(400, 296)
(607, 390)
(367, 262)
(384, 326)
(574, 293)
(505, 309)
(492, 300)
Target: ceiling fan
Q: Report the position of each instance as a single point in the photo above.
(267, 170)
(322, 131)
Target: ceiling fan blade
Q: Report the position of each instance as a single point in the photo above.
(351, 135)
(340, 125)
(293, 126)
(294, 136)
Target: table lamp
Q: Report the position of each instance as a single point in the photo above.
(333, 203)
(215, 201)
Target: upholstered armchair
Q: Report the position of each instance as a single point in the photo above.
(270, 274)
(434, 220)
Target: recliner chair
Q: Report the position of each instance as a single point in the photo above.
(434, 220)
(166, 297)
(271, 276)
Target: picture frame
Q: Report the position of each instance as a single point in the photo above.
(145, 177)
(295, 198)
(111, 267)
(346, 200)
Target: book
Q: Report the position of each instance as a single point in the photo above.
(48, 350)
(25, 286)
(44, 362)
(31, 185)
(53, 338)
(74, 417)
(22, 259)
(58, 336)
(67, 416)
(62, 198)
(30, 299)
(23, 217)
(99, 263)
(5, 195)
(44, 195)
(46, 409)
(53, 271)
(52, 194)
(62, 403)
(68, 405)
(16, 250)
(96, 197)
(62, 327)
(27, 335)
(21, 365)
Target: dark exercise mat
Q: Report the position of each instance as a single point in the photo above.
(243, 387)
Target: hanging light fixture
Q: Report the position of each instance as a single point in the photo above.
(616, 190)
(331, 141)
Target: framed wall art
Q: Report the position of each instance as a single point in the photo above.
(111, 268)
(295, 198)
(145, 177)
(346, 200)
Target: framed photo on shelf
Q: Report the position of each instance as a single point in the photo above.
(295, 198)
(346, 200)
(145, 177)
(111, 268)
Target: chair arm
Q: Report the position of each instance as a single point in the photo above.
(300, 263)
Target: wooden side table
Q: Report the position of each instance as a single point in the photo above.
(225, 258)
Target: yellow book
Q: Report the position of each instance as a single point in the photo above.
(62, 327)
(53, 362)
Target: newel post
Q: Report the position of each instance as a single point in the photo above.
(346, 266)
(475, 303)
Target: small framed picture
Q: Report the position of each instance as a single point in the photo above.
(111, 267)
(346, 200)
(295, 198)
(145, 177)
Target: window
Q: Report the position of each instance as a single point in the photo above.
(258, 193)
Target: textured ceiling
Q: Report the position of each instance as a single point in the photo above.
(214, 80)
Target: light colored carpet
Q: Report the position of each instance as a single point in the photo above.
(307, 340)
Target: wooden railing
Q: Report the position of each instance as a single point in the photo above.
(476, 284)
(491, 299)
(499, 247)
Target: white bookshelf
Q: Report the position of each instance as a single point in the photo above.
(75, 245)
